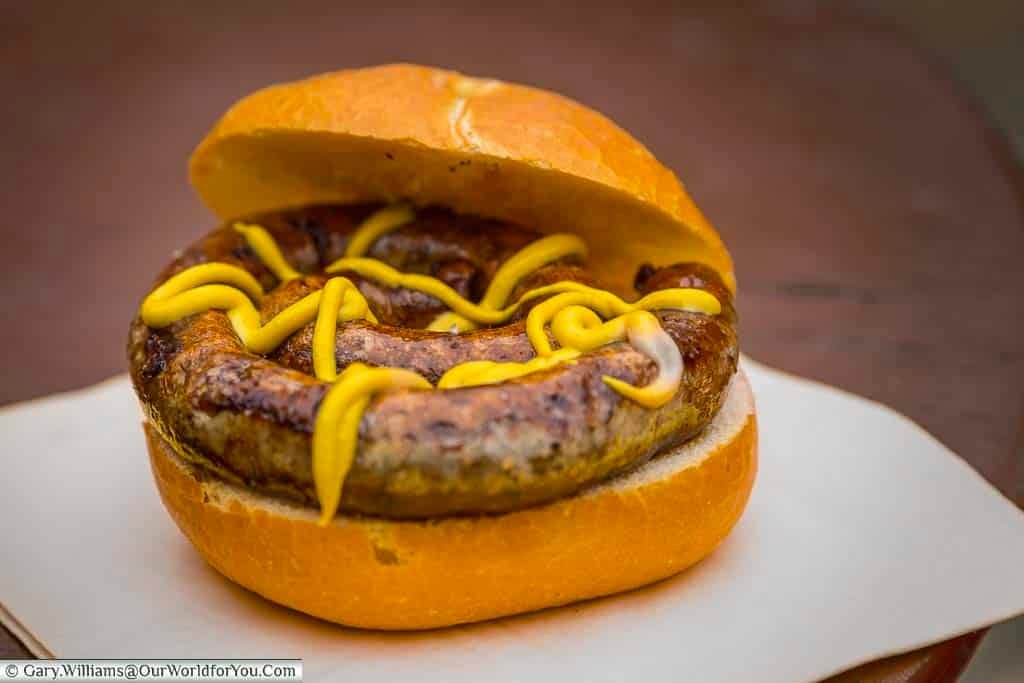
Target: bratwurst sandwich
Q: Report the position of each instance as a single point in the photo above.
(460, 349)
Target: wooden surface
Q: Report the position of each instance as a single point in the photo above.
(875, 219)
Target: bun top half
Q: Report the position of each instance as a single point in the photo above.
(478, 146)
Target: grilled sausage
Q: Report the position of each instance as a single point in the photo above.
(421, 454)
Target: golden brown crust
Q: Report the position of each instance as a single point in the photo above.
(477, 146)
(374, 573)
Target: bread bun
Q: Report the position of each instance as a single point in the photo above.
(514, 153)
(383, 574)
(477, 146)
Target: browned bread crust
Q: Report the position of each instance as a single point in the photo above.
(478, 146)
(384, 574)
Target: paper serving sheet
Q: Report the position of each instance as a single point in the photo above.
(864, 537)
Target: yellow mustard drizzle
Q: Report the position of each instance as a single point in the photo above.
(379, 223)
(264, 246)
(477, 372)
(581, 319)
(577, 320)
(221, 286)
(580, 328)
(475, 314)
(336, 429)
(522, 263)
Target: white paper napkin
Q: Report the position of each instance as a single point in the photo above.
(864, 537)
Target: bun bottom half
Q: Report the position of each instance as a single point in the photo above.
(375, 573)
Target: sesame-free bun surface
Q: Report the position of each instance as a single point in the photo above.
(478, 146)
(374, 573)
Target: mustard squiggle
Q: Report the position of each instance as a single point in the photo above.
(265, 247)
(580, 328)
(336, 430)
(576, 322)
(537, 254)
(464, 308)
(478, 372)
(221, 286)
(379, 223)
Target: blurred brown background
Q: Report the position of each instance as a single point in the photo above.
(856, 157)
(804, 130)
